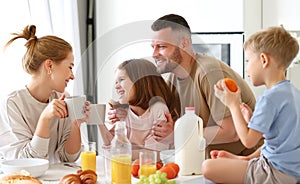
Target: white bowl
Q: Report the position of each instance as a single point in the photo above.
(34, 166)
(167, 156)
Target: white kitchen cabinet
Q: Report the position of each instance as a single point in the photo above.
(281, 12)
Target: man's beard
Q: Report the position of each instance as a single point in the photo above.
(169, 64)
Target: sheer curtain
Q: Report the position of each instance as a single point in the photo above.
(60, 18)
(14, 15)
(52, 17)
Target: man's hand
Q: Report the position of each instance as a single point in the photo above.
(163, 129)
(226, 96)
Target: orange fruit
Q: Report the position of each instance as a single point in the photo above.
(170, 171)
(135, 168)
(174, 165)
(159, 165)
(230, 83)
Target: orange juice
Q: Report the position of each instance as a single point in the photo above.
(121, 170)
(88, 160)
(147, 170)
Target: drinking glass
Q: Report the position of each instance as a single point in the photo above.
(147, 163)
(88, 157)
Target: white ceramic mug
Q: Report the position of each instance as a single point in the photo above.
(97, 114)
(75, 105)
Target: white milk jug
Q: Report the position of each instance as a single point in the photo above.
(189, 143)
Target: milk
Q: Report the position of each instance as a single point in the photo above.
(189, 143)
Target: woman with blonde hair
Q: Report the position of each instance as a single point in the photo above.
(34, 120)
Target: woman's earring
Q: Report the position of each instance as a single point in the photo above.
(49, 72)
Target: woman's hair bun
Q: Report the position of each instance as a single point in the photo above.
(29, 32)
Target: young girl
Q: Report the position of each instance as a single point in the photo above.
(33, 120)
(142, 87)
(268, 53)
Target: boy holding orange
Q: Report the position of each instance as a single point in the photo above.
(276, 117)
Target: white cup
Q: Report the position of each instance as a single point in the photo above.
(75, 105)
(97, 114)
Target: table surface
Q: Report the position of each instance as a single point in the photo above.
(57, 171)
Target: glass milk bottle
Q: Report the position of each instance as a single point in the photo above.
(189, 143)
(120, 156)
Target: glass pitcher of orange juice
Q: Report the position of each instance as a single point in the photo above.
(88, 157)
(121, 169)
(120, 156)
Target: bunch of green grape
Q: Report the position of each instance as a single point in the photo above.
(157, 178)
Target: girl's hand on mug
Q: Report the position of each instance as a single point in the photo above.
(118, 114)
(86, 111)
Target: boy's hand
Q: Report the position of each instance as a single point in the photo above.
(246, 111)
(226, 96)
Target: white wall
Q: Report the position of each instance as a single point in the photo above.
(281, 12)
(253, 22)
(202, 15)
(124, 33)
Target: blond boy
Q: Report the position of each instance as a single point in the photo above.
(276, 117)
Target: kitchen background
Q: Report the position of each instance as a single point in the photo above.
(117, 30)
(107, 32)
(127, 27)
